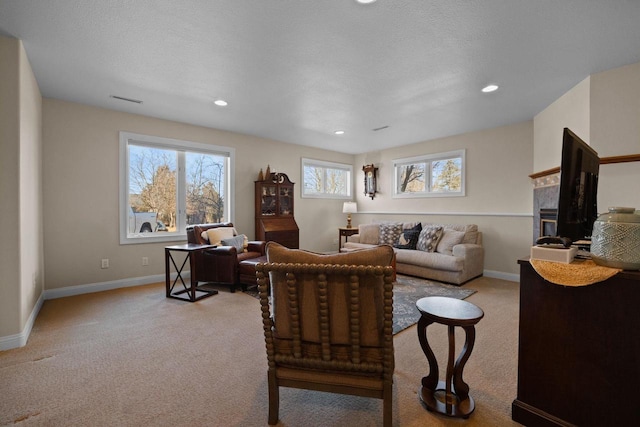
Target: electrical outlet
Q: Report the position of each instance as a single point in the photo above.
(145, 260)
(105, 263)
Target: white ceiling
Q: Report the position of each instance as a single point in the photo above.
(297, 70)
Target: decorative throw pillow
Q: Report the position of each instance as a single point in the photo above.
(449, 239)
(237, 242)
(390, 233)
(369, 233)
(409, 237)
(219, 233)
(428, 239)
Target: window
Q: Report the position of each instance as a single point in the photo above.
(434, 175)
(167, 184)
(326, 180)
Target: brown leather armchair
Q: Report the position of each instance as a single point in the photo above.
(220, 264)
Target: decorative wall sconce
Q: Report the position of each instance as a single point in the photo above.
(370, 180)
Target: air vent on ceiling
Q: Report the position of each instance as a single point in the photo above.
(137, 101)
(380, 128)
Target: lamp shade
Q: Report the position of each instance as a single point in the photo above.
(350, 207)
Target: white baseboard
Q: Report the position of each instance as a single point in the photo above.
(106, 286)
(512, 277)
(20, 340)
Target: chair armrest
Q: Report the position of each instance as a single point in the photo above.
(257, 246)
(222, 251)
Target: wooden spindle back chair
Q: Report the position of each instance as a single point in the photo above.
(328, 322)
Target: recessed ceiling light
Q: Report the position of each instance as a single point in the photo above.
(339, 132)
(220, 102)
(490, 88)
(365, 1)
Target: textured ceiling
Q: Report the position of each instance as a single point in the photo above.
(297, 70)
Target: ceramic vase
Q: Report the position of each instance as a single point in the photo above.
(615, 241)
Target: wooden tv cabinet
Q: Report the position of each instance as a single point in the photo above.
(579, 352)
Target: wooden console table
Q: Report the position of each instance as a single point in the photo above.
(579, 352)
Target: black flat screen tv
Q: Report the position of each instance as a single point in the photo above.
(577, 201)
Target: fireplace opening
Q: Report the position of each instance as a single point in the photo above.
(548, 221)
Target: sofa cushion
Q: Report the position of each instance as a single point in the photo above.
(390, 233)
(409, 237)
(471, 237)
(369, 233)
(350, 246)
(432, 260)
(470, 230)
(449, 239)
(428, 239)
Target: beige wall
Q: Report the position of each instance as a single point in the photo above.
(615, 131)
(83, 195)
(604, 110)
(31, 239)
(571, 111)
(21, 254)
(9, 188)
(498, 191)
(81, 191)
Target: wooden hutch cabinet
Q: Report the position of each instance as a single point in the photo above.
(274, 211)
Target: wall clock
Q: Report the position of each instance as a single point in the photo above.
(370, 180)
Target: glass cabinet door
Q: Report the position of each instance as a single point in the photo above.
(286, 200)
(268, 200)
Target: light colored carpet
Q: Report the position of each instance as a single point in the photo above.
(131, 357)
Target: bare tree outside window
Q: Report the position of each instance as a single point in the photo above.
(326, 179)
(313, 182)
(430, 175)
(412, 178)
(336, 181)
(152, 188)
(168, 184)
(446, 175)
(152, 182)
(205, 185)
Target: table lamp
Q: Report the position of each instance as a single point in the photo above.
(349, 208)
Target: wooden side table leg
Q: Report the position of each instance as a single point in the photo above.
(450, 397)
(460, 387)
(430, 381)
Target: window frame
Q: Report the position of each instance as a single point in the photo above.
(331, 165)
(429, 159)
(182, 147)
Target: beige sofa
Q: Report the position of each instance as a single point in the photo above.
(450, 253)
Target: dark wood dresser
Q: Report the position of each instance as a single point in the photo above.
(579, 352)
